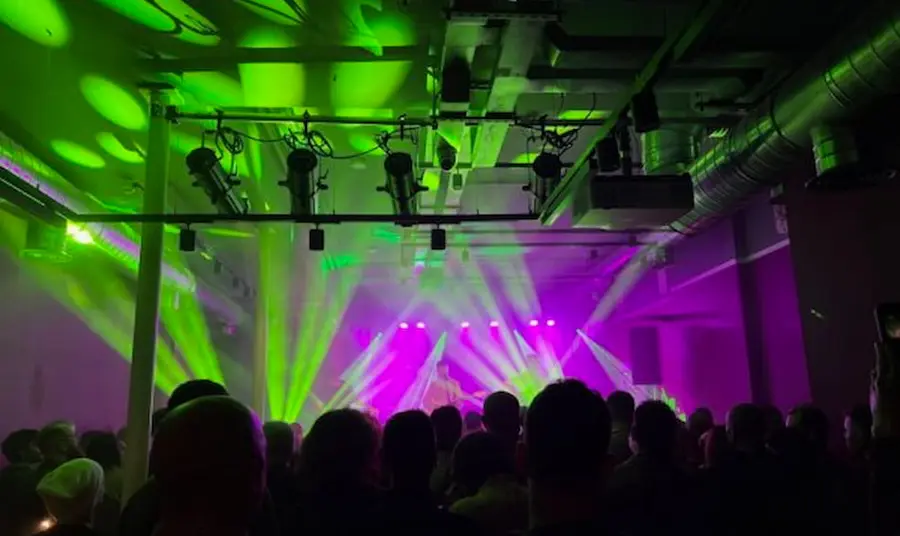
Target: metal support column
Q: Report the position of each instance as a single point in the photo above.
(146, 311)
(261, 327)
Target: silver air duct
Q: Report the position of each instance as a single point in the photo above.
(752, 155)
(668, 150)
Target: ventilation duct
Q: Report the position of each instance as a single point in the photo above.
(669, 150)
(755, 152)
(838, 165)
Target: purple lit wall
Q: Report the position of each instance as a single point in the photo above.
(53, 366)
(727, 312)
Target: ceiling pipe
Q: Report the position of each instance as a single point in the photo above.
(778, 132)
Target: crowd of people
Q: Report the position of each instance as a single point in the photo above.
(572, 463)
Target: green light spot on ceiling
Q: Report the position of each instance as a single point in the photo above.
(363, 141)
(277, 11)
(114, 103)
(431, 180)
(78, 154)
(581, 115)
(351, 82)
(111, 144)
(42, 21)
(271, 84)
(524, 158)
(210, 88)
(171, 16)
(183, 142)
(352, 85)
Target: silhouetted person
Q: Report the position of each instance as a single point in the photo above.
(21, 509)
(621, 411)
(104, 449)
(566, 441)
(749, 480)
(472, 422)
(651, 491)
(858, 431)
(280, 477)
(19, 447)
(142, 511)
(448, 427)
(698, 423)
(827, 483)
(338, 472)
(858, 442)
(715, 447)
(57, 444)
(71, 493)
(774, 420)
(209, 462)
(501, 417)
(491, 494)
(813, 424)
(409, 455)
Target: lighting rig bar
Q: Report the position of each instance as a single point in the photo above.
(174, 115)
(318, 219)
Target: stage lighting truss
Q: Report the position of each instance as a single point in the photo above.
(547, 168)
(401, 184)
(303, 182)
(218, 185)
(465, 324)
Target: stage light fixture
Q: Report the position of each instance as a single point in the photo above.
(420, 325)
(404, 325)
(464, 325)
(317, 239)
(644, 112)
(533, 323)
(547, 169)
(446, 155)
(438, 239)
(302, 181)
(551, 323)
(187, 240)
(208, 174)
(401, 184)
(494, 324)
(607, 154)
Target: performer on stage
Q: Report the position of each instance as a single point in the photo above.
(443, 390)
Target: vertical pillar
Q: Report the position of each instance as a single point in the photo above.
(261, 326)
(146, 315)
(845, 257)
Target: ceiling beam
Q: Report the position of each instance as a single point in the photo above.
(675, 47)
(218, 61)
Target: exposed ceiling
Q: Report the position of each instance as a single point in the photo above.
(71, 97)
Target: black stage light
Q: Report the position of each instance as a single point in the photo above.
(302, 182)
(547, 169)
(446, 155)
(401, 184)
(644, 112)
(208, 174)
(187, 240)
(607, 153)
(438, 239)
(317, 239)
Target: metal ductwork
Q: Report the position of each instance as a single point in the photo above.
(668, 150)
(754, 153)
